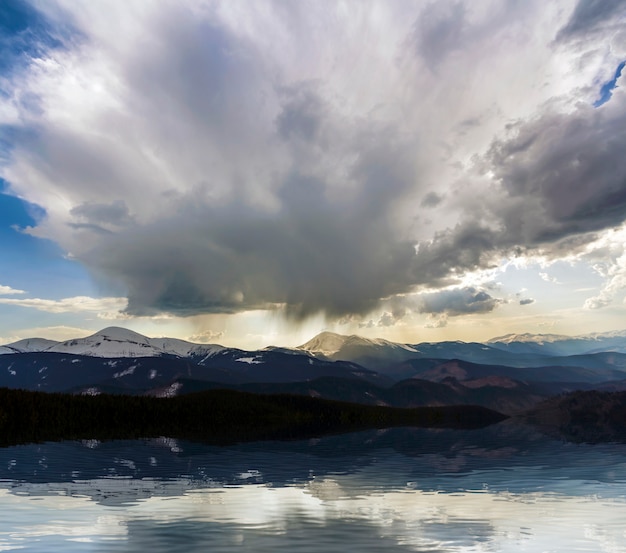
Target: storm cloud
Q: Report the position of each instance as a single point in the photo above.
(593, 16)
(456, 302)
(555, 183)
(227, 157)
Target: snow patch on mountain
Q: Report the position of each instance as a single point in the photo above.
(182, 348)
(250, 360)
(287, 351)
(127, 372)
(170, 391)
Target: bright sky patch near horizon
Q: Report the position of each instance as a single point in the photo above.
(254, 173)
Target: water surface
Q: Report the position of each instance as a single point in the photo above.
(502, 488)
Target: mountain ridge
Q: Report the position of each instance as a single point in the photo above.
(116, 360)
(325, 343)
(112, 342)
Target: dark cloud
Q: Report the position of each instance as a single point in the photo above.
(439, 31)
(432, 199)
(560, 179)
(526, 301)
(313, 254)
(115, 213)
(467, 246)
(460, 301)
(301, 114)
(568, 172)
(591, 16)
(275, 197)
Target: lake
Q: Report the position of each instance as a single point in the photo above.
(502, 488)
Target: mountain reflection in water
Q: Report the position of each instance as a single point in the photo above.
(501, 488)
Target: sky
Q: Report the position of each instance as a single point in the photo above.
(254, 173)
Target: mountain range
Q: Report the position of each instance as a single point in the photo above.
(509, 373)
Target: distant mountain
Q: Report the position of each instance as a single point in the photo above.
(465, 370)
(519, 350)
(97, 364)
(325, 343)
(509, 374)
(59, 372)
(29, 345)
(371, 353)
(114, 342)
(512, 349)
(528, 337)
(558, 345)
(385, 356)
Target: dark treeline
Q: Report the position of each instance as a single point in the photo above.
(216, 416)
(588, 416)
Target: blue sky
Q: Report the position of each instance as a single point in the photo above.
(26, 258)
(254, 175)
(606, 91)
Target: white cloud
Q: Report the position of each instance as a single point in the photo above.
(59, 333)
(8, 291)
(75, 304)
(437, 321)
(206, 337)
(608, 258)
(548, 278)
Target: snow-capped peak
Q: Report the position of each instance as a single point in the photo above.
(528, 337)
(31, 344)
(551, 338)
(329, 343)
(118, 334)
(325, 343)
(109, 342)
(114, 342)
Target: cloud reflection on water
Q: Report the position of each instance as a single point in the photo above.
(364, 492)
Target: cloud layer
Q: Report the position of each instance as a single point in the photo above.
(216, 158)
(106, 307)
